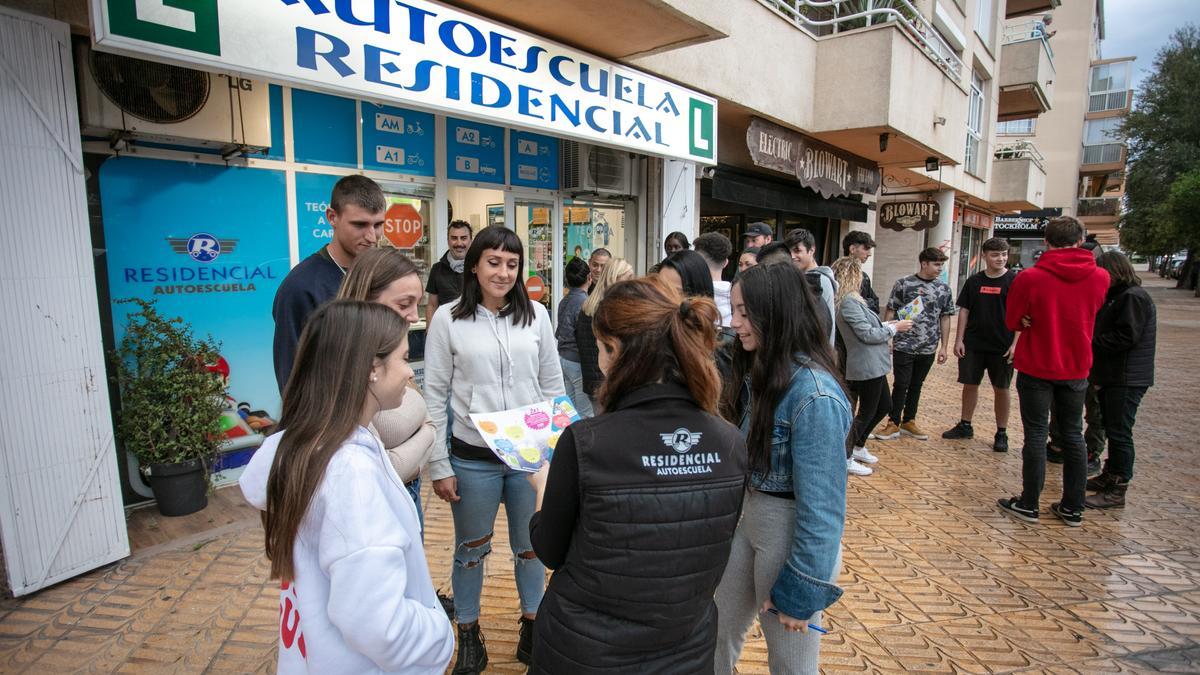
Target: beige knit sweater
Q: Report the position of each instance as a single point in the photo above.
(407, 434)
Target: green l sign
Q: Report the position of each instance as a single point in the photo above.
(701, 128)
(185, 24)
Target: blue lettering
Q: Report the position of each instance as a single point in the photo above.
(621, 87)
(557, 106)
(556, 71)
(497, 52)
(234, 273)
(416, 22)
(130, 275)
(601, 86)
(526, 101)
(478, 42)
(503, 95)
(423, 76)
(306, 51)
(373, 64)
(658, 134)
(667, 105)
(589, 116)
(381, 20)
(531, 59)
(317, 7)
(638, 130)
(452, 84)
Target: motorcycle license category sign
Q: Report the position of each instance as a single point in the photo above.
(419, 53)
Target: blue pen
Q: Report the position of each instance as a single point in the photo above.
(813, 626)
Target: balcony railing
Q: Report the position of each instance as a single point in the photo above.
(1113, 100)
(1033, 29)
(824, 17)
(1099, 206)
(1108, 153)
(1019, 150)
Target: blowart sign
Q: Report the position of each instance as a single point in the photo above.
(422, 53)
(818, 166)
(901, 216)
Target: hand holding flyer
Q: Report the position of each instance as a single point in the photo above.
(524, 438)
(912, 310)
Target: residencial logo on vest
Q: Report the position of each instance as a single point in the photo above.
(684, 461)
(423, 53)
(204, 275)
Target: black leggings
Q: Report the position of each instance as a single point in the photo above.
(874, 401)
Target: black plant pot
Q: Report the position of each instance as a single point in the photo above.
(180, 488)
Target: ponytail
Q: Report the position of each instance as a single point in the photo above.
(662, 337)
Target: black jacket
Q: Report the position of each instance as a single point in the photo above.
(640, 509)
(868, 293)
(1123, 340)
(589, 354)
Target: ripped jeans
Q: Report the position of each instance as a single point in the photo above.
(482, 486)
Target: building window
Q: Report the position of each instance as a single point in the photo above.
(983, 21)
(1099, 132)
(974, 125)
(1024, 127)
(1109, 87)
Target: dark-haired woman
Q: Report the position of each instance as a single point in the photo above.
(491, 349)
(795, 417)
(341, 533)
(687, 271)
(676, 242)
(641, 503)
(1123, 344)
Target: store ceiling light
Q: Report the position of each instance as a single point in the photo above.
(932, 164)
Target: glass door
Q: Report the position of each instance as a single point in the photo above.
(536, 221)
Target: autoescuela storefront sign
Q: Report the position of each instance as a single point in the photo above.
(818, 166)
(421, 53)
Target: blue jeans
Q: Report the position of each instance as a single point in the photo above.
(1037, 398)
(482, 486)
(414, 490)
(1119, 406)
(573, 381)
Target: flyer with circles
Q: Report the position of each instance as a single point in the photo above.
(524, 438)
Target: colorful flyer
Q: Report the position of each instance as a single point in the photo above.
(524, 438)
(912, 310)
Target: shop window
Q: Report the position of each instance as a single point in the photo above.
(533, 226)
(324, 129)
(972, 162)
(589, 225)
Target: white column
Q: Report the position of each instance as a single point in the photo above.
(679, 199)
(942, 235)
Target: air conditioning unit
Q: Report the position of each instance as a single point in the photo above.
(592, 168)
(170, 104)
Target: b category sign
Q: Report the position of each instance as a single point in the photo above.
(422, 53)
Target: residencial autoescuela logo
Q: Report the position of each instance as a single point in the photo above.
(202, 246)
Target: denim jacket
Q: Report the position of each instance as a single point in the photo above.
(808, 458)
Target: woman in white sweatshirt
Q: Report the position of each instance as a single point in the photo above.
(341, 532)
(387, 276)
(489, 350)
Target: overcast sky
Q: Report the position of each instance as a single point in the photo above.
(1141, 27)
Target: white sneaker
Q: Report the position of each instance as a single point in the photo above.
(857, 469)
(863, 455)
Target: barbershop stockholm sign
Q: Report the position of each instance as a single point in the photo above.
(420, 53)
(816, 165)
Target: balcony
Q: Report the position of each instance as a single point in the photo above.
(1103, 158)
(1098, 206)
(1026, 71)
(1018, 178)
(615, 29)
(1109, 101)
(1015, 8)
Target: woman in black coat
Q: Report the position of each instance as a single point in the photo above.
(1122, 369)
(641, 502)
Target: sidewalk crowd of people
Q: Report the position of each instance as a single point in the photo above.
(773, 384)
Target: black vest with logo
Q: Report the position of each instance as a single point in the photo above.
(660, 494)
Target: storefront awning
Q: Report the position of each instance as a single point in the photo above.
(740, 188)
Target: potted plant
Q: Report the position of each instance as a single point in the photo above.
(170, 406)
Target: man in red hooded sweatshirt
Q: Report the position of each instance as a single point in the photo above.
(1054, 305)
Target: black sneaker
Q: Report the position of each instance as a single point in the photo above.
(472, 653)
(1072, 518)
(961, 430)
(1053, 454)
(525, 642)
(1093, 467)
(1001, 442)
(447, 605)
(1013, 506)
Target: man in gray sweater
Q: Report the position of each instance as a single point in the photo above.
(803, 247)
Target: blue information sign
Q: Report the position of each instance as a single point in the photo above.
(533, 160)
(396, 139)
(312, 198)
(474, 151)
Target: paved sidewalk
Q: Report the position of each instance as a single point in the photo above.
(936, 578)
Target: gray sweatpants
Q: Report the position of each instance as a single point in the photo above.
(760, 549)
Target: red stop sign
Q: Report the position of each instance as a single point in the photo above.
(402, 225)
(535, 287)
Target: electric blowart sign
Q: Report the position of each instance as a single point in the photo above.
(420, 53)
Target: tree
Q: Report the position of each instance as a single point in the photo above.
(1164, 153)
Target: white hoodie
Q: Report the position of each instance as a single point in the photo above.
(362, 600)
(721, 291)
(485, 364)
